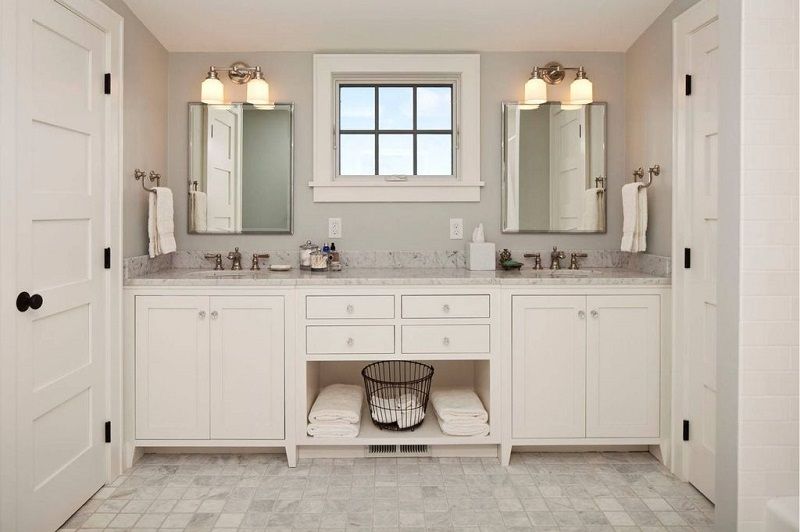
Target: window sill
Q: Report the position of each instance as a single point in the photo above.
(396, 191)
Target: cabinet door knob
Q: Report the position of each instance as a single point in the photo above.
(202, 314)
(581, 314)
(445, 308)
(214, 314)
(350, 309)
(595, 314)
(350, 341)
(446, 340)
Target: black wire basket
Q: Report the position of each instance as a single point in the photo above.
(397, 393)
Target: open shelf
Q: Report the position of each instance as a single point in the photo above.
(428, 433)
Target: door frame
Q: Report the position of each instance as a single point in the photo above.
(111, 23)
(688, 22)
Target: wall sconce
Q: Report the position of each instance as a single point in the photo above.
(580, 90)
(212, 91)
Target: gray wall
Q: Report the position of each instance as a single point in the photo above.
(144, 123)
(393, 226)
(648, 120)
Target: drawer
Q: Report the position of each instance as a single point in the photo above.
(457, 306)
(362, 339)
(445, 338)
(349, 307)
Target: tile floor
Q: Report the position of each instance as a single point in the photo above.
(257, 492)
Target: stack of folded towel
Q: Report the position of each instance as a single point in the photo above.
(336, 412)
(404, 408)
(460, 412)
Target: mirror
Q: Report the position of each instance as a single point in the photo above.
(240, 168)
(554, 168)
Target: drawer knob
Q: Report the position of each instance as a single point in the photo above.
(214, 314)
(595, 314)
(202, 314)
(350, 341)
(581, 314)
(445, 308)
(350, 309)
(446, 340)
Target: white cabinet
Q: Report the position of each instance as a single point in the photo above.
(209, 367)
(549, 367)
(172, 367)
(622, 366)
(585, 366)
(247, 384)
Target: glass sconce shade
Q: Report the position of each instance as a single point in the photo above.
(580, 91)
(211, 91)
(535, 90)
(258, 90)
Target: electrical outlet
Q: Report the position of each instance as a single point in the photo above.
(334, 228)
(456, 228)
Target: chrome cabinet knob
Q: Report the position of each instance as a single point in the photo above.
(202, 314)
(581, 314)
(350, 309)
(446, 340)
(214, 314)
(350, 341)
(445, 308)
(595, 314)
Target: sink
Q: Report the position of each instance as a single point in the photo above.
(221, 273)
(560, 273)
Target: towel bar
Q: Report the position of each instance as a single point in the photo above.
(140, 175)
(638, 175)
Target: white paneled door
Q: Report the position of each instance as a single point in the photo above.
(223, 167)
(62, 224)
(698, 35)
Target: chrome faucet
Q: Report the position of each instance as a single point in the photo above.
(236, 257)
(217, 260)
(573, 260)
(254, 265)
(555, 258)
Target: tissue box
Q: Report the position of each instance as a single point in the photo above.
(480, 256)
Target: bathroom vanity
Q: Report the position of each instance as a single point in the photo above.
(236, 359)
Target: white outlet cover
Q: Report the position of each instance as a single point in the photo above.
(456, 228)
(334, 228)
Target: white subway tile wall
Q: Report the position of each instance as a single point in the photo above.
(768, 385)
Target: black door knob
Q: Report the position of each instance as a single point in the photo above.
(26, 301)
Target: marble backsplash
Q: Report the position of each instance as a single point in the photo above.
(641, 262)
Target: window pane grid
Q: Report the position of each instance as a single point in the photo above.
(378, 132)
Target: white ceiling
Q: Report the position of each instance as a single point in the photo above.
(397, 25)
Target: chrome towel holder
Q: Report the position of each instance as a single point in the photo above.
(153, 176)
(638, 175)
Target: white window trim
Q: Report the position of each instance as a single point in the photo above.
(463, 187)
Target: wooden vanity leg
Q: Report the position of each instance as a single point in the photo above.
(291, 455)
(505, 454)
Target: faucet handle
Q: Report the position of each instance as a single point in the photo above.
(217, 260)
(537, 260)
(573, 260)
(256, 256)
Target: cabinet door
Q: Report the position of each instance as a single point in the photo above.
(549, 366)
(247, 383)
(623, 359)
(172, 367)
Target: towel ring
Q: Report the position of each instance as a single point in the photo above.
(140, 175)
(638, 175)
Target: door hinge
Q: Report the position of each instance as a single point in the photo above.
(107, 258)
(107, 83)
(108, 432)
(685, 430)
(687, 258)
(688, 84)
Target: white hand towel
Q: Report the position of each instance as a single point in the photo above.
(630, 217)
(337, 402)
(641, 229)
(383, 409)
(410, 410)
(463, 429)
(198, 216)
(458, 405)
(592, 203)
(334, 429)
(160, 222)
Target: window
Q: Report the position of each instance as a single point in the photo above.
(395, 130)
(396, 127)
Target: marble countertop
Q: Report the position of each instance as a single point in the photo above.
(396, 276)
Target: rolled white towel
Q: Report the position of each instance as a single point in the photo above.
(337, 402)
(383, 409)
(459, 405)
(464, 429)
(410, 410)
(333, 429)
